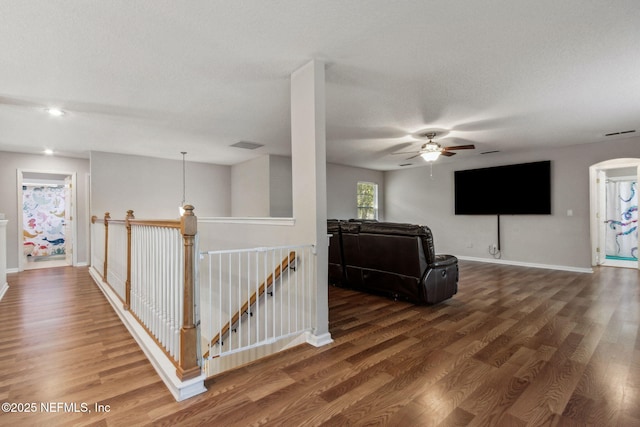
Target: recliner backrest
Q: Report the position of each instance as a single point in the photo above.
(350, 232)
(421, 232)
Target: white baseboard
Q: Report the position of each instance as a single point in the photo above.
(319, 340)
(527, 264)
(16, 270)
(180, 390)
(3, 290)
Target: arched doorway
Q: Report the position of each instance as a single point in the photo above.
(605, 231)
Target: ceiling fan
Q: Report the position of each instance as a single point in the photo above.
(430, 150)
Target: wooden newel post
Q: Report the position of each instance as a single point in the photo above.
(127, 289)
(107, 217)
(188, 364)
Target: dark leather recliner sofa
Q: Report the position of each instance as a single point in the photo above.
(393, 259)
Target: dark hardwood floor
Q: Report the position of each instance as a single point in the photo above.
(516, 346)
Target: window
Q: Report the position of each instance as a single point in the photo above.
(367, 200)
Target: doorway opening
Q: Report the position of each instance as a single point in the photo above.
(46, 219)
(614, 213)
(621, 220)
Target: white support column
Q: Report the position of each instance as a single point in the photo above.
(3, 256)
(309, 187)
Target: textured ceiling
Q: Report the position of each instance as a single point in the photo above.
(159, 77)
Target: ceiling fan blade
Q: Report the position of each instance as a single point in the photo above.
(447, 154)
(460, 147)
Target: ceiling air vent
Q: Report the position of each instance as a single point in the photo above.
(247, 145)
(620, 133)
(490, 152)
(406, 164)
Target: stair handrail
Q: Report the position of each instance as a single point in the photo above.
(187, 365)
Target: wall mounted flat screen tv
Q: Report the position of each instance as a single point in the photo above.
(521, 189)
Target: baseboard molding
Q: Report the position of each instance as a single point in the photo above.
(319, 340)
(527, 264)
(16, 270)
(3, 289)
(160, 362)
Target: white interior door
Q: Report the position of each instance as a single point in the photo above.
(600, 215)
(68, 218)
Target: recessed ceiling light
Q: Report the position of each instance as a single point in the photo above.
(56, 112)
(48, 152)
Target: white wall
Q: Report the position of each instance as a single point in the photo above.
(9, 164)
(280, 187)
(250, 188)
(153, 187)
(262, 187)
(556, 240)
(342, 184)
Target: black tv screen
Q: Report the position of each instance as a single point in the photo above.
(521, 189)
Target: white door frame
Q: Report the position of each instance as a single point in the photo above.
(74, 216)
(596, 202)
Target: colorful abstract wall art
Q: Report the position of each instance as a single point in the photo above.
(622, 220)
(43, 213)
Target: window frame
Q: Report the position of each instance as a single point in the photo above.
(374, 207)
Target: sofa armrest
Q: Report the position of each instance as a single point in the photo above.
(444, 260)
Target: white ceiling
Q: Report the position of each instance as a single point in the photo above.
(163, 76)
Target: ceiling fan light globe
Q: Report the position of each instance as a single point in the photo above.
(55, 112)
(430, 156)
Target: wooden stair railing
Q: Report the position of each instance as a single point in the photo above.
(186, 361)
(280, 269)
